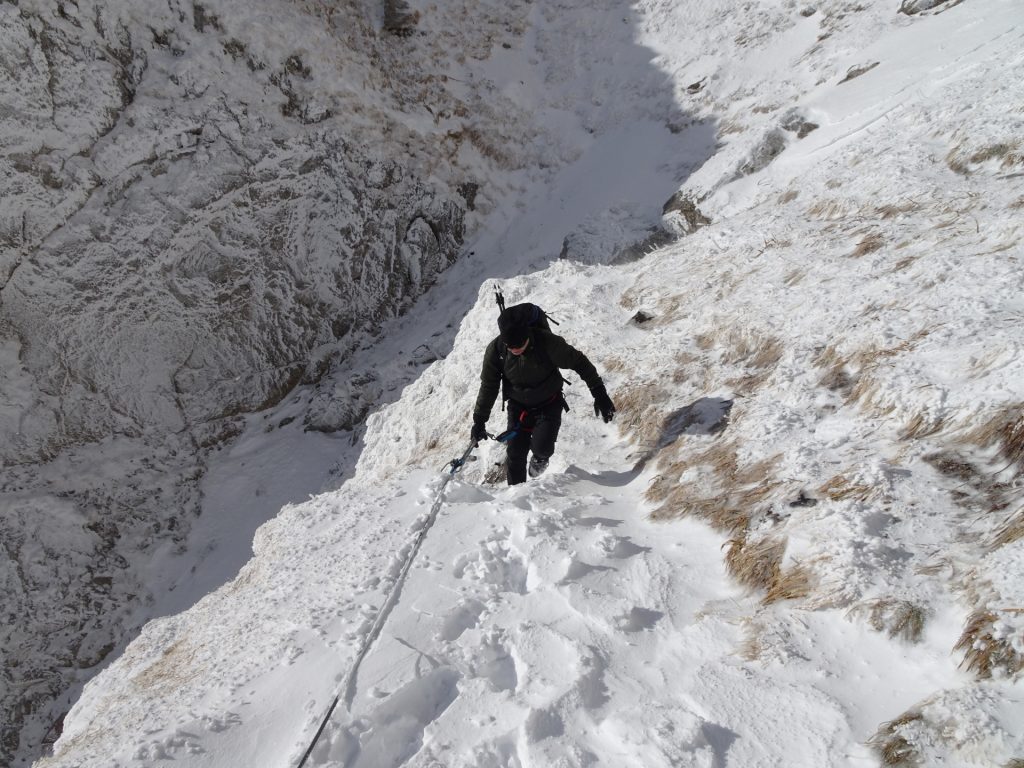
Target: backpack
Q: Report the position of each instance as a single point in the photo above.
(529, 316)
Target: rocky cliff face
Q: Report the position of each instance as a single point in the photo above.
(201, 206)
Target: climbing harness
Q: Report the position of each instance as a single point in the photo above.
(348, 687)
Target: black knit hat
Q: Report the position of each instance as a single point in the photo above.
(513, 333)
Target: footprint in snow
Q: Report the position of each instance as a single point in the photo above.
(639, 619)
(621, 548)
(496, 563)
(577, 569)
(467, 493)
(493, 661)
(393, 732)
(465, 615)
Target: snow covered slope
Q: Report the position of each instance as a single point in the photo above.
(802, 544)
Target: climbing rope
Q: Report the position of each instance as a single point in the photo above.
(348, 687)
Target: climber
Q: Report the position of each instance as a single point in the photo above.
(525, 360)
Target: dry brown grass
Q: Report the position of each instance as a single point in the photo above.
(748, 383)
(1017, 204)
(770, 243)
(757, 353)
(727, 498)
(859, 387)
(892, 746)
(729, 126)
(869, 243)
(978, 489)
(670, 309)
(842, 487)
(751, 646)
(723, 514)
(900, 619)
(792, 584)
(766, 354)
(892, 210)
(1010, 531)
(984, 653)
(704, 341)
(937, 566)
(905, 262)
(758, 565)
(640, 412)
(960, 158)
(615, 364)
(921, 425)
(1005, 430)
(686, 358)
(837, 379)
(829, 356)
(629, 300)
(684, 370)
(830, 209)
(789, 196)
(175, 666)
(991, 359)
(870, 396)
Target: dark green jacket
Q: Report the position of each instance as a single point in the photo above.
(533, 377)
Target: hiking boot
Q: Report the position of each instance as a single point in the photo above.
(537, 466)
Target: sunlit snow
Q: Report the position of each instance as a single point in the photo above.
(789, 237)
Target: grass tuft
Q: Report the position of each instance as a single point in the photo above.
(1010, 531)
(758, 565)
(830, 210)
(726, 500)
(984, 652)
(892, 745)
(755, 564)
(960, 159)
(841, 488)
(639, 411)
(792, 584)
(900, 619)
(892, 210)
(751, 647)
(1006, 430)
(921, 425)
(868, 244)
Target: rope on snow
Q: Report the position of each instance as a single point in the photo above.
(348, 687)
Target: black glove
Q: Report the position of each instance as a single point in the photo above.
(479, 431)
(603, 405)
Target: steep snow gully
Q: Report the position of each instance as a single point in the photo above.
(791, 242)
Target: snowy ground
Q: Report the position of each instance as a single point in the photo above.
(801, 544)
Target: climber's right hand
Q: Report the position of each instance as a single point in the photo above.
(479, 431)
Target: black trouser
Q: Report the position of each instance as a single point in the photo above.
(536, 430)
